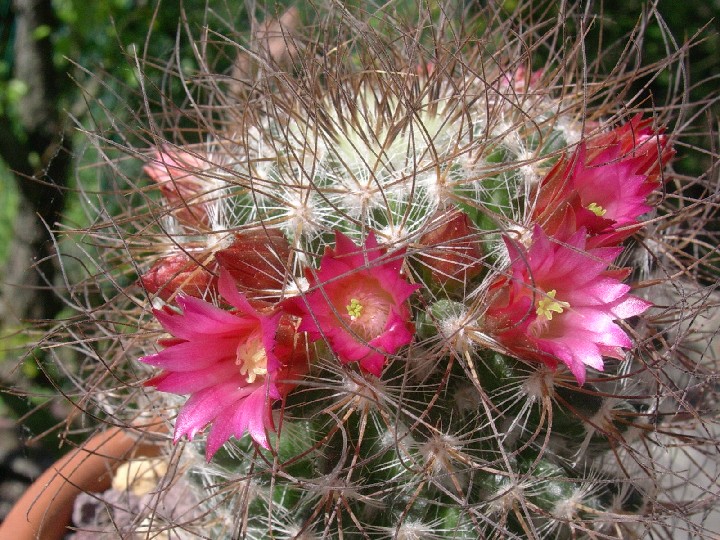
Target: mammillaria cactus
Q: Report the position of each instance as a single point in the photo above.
(416, 289)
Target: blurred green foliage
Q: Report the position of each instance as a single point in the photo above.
(8, 210)
(679, 22)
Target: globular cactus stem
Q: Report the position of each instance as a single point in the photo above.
(401, 293)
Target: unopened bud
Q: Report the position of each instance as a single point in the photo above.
(452, 251)
(178, 273)
(257, 260)
(174, 173)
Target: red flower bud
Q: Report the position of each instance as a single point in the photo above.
(257, 260)
(173, 172)
(178, 274)
(292, 346)
(520, 81)
(451, 251)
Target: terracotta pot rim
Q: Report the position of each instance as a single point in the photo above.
(45, 509)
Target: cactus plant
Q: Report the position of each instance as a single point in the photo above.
(412, 285)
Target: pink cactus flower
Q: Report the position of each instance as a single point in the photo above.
(604, 186)
(174, 172)
(234, 364)
(637, 140)
(559, 303)
(357, 303)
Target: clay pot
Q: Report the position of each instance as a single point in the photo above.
(45, 509)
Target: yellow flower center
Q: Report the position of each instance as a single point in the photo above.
(354, 308)
(596, 209)
(252, 358)
(548, 305)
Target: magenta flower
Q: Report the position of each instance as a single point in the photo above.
(559, 303)
(605, 198)
(232, 364)
(649, 149)
(604, 186)
(357, 303)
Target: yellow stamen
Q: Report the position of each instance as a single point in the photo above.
(596, 209)
(354, 308)
(547, 305)
(251, 358)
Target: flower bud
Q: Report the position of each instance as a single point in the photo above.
(257, 260)
(173, 171)
(178, 274)
(522, 80)
(452, 251)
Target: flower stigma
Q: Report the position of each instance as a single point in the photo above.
(354, 309)
(596, 209)
(548, 305)
(252, 358)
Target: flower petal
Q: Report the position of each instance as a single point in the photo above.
(379, 323)
(193, 355)
(204, 406)
(188, 382)
(229, 291)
